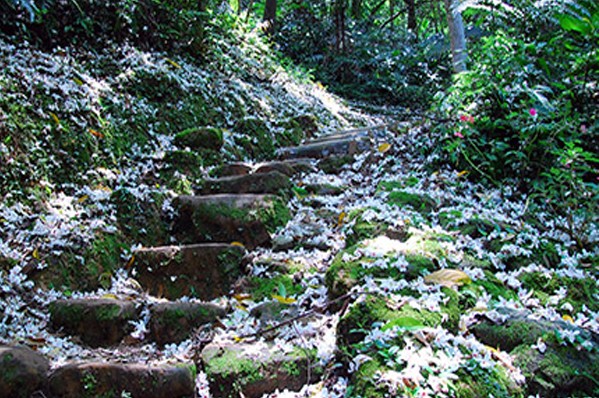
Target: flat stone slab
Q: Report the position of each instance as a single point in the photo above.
(252, 370)
(174, 322)
(289, 167)
(318, 150)
(204, 271)
(22, 372)
(97, 379)
(246, 218)
(270, 182)
(233, 169)
(342, 135)
(98, 322)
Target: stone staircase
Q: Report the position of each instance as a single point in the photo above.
(235, 212)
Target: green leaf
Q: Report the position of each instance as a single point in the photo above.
(570, 23)
(282, 290)
(404, 322)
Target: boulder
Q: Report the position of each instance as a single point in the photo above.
(173, 322)
(252, 370)
(247, 218)
(100, 379)
(232, 169)
(554, 365)
(22, 372)
(204, 271)
(200, 138)
(97, 322)
(271, 182)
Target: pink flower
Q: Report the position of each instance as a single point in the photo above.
(583, 128)
(533, 112)
(458, 134)
(467, 118)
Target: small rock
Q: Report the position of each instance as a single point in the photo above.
(252, 370)
(98, 322)
(205, 271)
(271, 182)
(113, 380)
(173, 322)
(280, 166)
(22, 372)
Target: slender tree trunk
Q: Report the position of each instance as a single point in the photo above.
(270, 16)
(457, 37)
(339, 14)
(392, 12)
(412, 26)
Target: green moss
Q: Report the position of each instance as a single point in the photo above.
(200, 138)
(579, 291)
(228, 364)
(475, 382)
(275, 216)
(257, 140)
(493, 287)
(261, 288)
(72, 314)
(107, 312)
(363, 383)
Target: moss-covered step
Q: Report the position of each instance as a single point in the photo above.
(272, 182)
(557, 358)
(251, 371)
(318, 150)
(173, 322)
(22, 372)
(289, 167)
(246, 218)
(97, 322)
(114, 380)
(232, 169)
(204, 271)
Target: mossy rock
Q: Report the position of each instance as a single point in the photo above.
(22, 372)
(200, 138)
(421, 203)
(363, 383)
(561, 371)
(233, 370)
(478, 382)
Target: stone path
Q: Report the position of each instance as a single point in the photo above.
(234, 213)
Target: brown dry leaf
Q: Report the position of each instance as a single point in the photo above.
(448, 277)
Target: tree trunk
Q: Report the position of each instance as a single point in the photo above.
(270, 16)
(339, 14)
(412, 26)
(457, 37)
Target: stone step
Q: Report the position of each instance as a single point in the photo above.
(174, 322)
(258, 183)
(107, 322)
(102, 379)
(98, 322)
(204, 271)
(252, 370)
(289, 167)
(342, 135)
(245, 218)
(319, 150)
(23, 372)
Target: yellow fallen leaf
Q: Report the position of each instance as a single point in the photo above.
(83, 198)
(567, 318)
(96, 133)
(284, 300)
(462, 173)
(173, 63)
(55, 118)
(384, 147)
(238, 244)
(242, 307)
(130, 262)
(448, 277)
(341, 219)
(110, 296)
(242, 296)
(78, 81)
(237, 339)
(35, 254)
